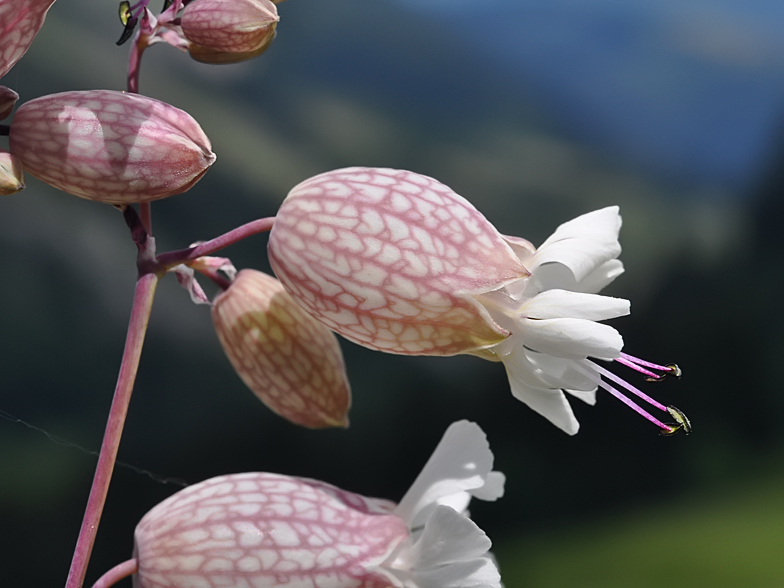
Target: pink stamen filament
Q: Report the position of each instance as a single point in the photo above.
(624, 384)
(643, 363)
(596, 377)
(623, 361)
(634, 406)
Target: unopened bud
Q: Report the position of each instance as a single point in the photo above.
(11, 174)
(287, 358)
(228, 31)
(7, 100)
(110, 146)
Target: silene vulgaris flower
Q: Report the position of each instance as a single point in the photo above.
(398, 262)
(265, 530)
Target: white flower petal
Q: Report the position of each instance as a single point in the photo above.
(565, 304)
(558, 372)
(572, 338)
(551, 403)
(448, 537)
(493, 488)
(587, 396)
(582, 244)
(601, 276)
(477, 573)
(458, 501)
(460, 463)
(601, 225)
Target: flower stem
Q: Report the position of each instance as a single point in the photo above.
(172, 258)
(134, 62)
(117, 573)
(137, 327)
(145, 212)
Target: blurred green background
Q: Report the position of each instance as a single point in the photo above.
(535, 111)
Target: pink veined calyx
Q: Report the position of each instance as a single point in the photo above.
(262, 529)
(398, 262)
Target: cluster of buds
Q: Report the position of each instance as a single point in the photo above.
(102, 145)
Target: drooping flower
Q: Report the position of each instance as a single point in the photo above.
(289, 360)
(398, 262)
(260, 529)
(228, 31)
(110, 146)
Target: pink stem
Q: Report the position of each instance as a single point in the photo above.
(172, 258)
(140, 43)
(117, 573)
(137, 327)
(134, 65)
(145, 212)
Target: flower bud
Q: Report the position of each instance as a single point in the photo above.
(11, 174)
(288, 359)
(7, 100)
(228, 31)
(20, 21)
(110, 146)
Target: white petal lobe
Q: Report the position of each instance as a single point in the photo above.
(563, 303)
(460, 463)
(572, 338)
(448, 537)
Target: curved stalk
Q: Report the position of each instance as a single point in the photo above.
(117, 573)
(137, 327)
(172, 258)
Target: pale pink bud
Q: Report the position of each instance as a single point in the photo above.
(110, 146)
(267, 530)
(7, 100)
(11, 174)
(20, 21)
(228, 31)
(392, 260)
(292, 362)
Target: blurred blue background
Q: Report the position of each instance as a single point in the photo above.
(536, 111)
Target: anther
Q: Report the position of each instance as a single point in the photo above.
(682, 422)
(675, 371)
(129, 16)
(672, 369)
